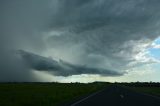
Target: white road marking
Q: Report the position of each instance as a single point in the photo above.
(122, 96)
(87, 97)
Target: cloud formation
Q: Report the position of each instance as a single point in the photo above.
(98, 35)
(116, 34)
(21, 23)
(61, 68)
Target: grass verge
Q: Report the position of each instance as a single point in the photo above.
(43, 94)
(148, 90)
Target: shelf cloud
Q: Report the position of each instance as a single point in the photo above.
(61, 68)
(105, 37)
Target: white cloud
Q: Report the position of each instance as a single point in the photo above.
(156, 46)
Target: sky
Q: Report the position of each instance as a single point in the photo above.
(79, 40)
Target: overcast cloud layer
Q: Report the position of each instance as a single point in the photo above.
(105, 37)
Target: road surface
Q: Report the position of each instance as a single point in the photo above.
(118, 96)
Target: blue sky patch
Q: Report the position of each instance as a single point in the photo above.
(155, 52)
(157, 41)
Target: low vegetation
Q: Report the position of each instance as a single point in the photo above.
(53, 94)
(43, 94)
(149, 90)
(152, 88)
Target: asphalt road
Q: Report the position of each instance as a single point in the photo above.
(118, 96)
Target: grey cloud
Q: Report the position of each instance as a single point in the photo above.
(104, 27)
(61, 68)
(21, 25)
(13, 68)
(101, 34)
(104, 12)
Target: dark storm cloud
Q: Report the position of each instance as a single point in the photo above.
(61, 68)
(108, 28)
(104, 35)
(12, 68)
(21, 22)
(95, 14)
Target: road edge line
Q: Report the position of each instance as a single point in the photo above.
(93, 94)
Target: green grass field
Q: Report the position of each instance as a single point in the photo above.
(43, 94)
(149, 90)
